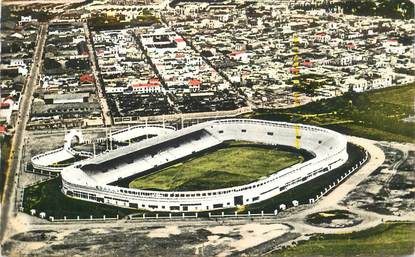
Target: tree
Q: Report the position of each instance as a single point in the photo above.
(51, 64)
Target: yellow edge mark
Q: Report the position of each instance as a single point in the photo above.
(6, 180)
(295, 94)
(297, 126)
(297, 136)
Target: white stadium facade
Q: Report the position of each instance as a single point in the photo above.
(93, 179)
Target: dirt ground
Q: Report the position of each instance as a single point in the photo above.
(390, 189)
(169, 240)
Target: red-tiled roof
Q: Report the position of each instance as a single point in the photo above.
(236, 53)
(87, 78)
(194, 82)
(178, 40)
(294, 70)
(3, 129)
(351, 45)
(154, 81)
(307, 63)
(4, 105)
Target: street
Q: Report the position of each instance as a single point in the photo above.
(103, 101)
(7, 201)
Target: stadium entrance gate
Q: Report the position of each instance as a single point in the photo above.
(238, 200)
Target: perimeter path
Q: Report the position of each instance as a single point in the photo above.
(7, 199)
(106, 114)
(377, 158)
(333, 201)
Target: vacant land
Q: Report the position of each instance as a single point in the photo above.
(5, 142)
(377, 114)
(230, 166)
(148, 239)
(391, 239)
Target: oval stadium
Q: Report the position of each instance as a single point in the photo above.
(95, 179)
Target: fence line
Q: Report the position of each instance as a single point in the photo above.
(50, 174)
(342, 177)
(39, 182)
(196, 215)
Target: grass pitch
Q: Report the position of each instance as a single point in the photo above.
(389, 239)
(238, 163)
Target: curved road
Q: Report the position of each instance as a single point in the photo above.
(332, 200)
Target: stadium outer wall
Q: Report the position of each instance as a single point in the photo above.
(329, 148)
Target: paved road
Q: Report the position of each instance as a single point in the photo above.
(7, 201)
(377, 157)
(333, 201)
(106, 114)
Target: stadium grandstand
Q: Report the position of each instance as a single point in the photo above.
(96, 179)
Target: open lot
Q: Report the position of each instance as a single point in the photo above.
(183, 238)
(390, 189)
(231, 165)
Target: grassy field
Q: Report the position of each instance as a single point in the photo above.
(48, 198)
(377, 114)
(232, 165)
(5, 142)
(390, 239)
(301, 193)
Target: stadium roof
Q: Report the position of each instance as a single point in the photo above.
(134, 147)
